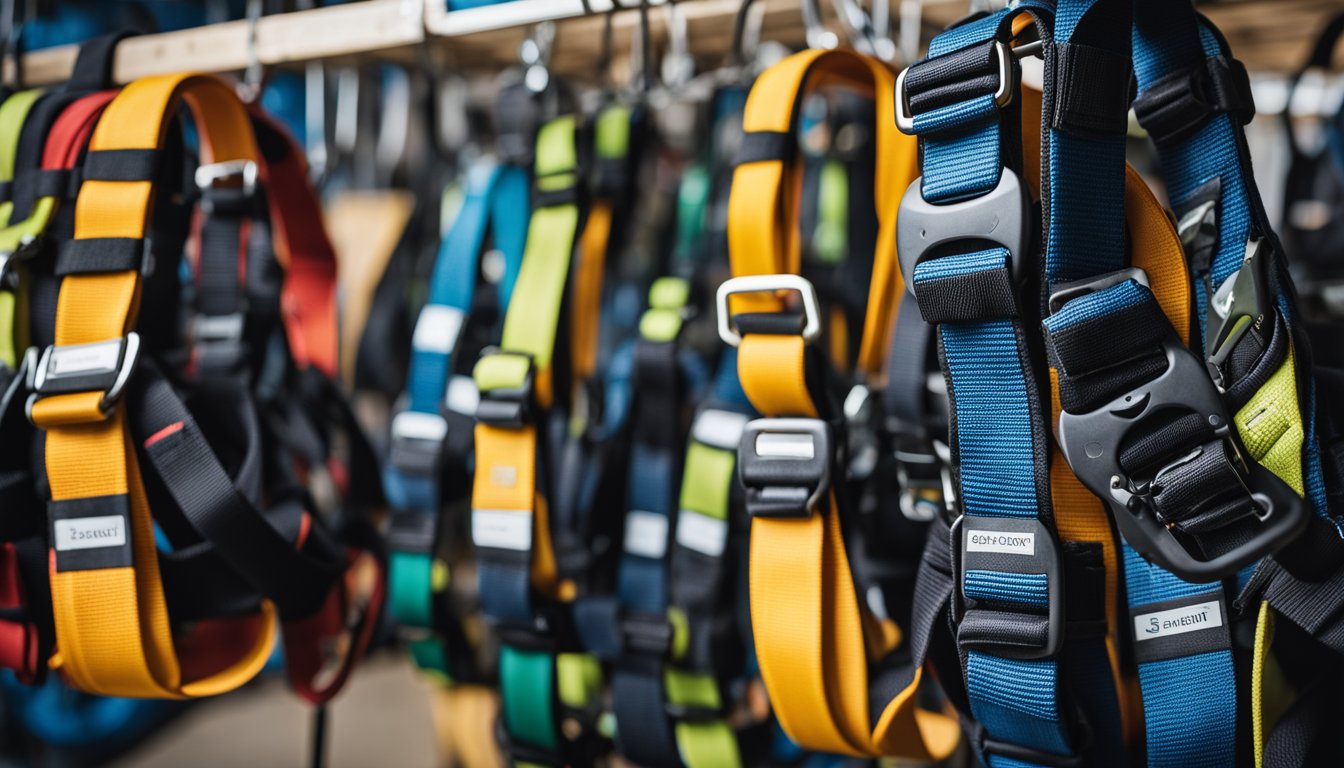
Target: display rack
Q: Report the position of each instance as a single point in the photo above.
(1267, 34)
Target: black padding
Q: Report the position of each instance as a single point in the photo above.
(100, 254)
(1174, 107)
(121, 165)
(974, 296)
(1091, 90)
(764, 147)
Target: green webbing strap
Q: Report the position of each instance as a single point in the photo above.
(530, 679)
(13, 315)
(830, 239)
(706, 486)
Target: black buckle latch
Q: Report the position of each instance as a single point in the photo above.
(785, 465)
(1092, 441)
(508, 406)
(102, 366)
(417, 441)
(1008, 545)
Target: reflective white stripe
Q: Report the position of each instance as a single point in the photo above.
(89, 533)
(719, 429)
(502, 529)
(437, 329)
(461, 395)
(702, 533)
(645, 534)
(415, 425)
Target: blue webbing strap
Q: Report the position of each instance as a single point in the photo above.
(999, 434)
(496, 203)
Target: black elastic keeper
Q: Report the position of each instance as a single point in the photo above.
(60, 183)
(1091, 87)
(1102, 342)
(772, 323)
(121, 165)
(100, 254)
(1176, 106)
(983, 295)
(998, 629)
(548, 198)
(764, 147)
(953, 78)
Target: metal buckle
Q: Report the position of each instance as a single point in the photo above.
(785, 465)
(417, 440)
(210, 174)
(1091, 444)
(507, 406)
(1240, 303)
(1000, 216)
(104, 366)
(769, 284)
(1003, 95)
(1008, 545)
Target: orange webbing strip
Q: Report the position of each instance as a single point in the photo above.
(807, 620)
(586, 306)
(112, 624)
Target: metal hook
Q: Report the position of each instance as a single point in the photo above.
(249, 90)
(746, 26)
(678, 67)
(815, 32)
(536, 56)
(858, 27)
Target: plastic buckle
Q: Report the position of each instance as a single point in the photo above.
(785, 465)
(1008, 545)
(862, 417)
(1003, 94)
(508, 406)
(998, 217)
(411, 532)
(1091, 444)
(769, 284)
(417, 440)
(104, 366)
(1065, 292)
(218, 340)
(920, 474)
(1240, 303)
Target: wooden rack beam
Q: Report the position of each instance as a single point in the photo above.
(1269, 35)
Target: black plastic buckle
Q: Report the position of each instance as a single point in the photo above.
(417, 442)
(9, 278)
(1008, 545)
(1091, 444)
(689, 713)
(102, 366)
(218, 341)
(785, 465)
(1000, 217)
(508, 406)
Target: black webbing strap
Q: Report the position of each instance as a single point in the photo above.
(1175, 107)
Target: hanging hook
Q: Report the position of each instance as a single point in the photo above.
(746, 32)
(815, 32)
(857, 26)
(249, 90)
(678, 67)
(11, 38)
(536, 55)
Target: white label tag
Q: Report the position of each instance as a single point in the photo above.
(1003, 542)
(90, 532)
(702, 533)
(501, 529)
(85, 358)
(645, 534)
(437, 329)
(1175, 621)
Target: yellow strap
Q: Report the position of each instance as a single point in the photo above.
(112, 624)
(808, 623)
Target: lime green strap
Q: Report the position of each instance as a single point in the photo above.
(13, 312)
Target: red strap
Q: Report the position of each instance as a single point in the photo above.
(308, 298)
(70, 133)
(322, 649)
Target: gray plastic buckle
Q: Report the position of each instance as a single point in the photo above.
(785, 465)
(999, 217)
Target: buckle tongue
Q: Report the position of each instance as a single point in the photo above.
(785, 465)
(1240, 303)
(1092, 441)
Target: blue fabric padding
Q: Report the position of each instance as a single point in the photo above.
(953, 117)
(410, 492)
(977, 31)
(961, 166)
(642, 581)
(1024, 588)
(1093, 305)
(1189, 703)
(1015, 699)
(994, 429)
(506, 593)
(960, 264)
